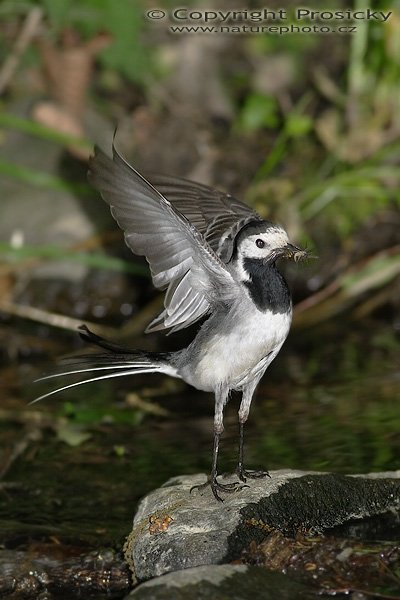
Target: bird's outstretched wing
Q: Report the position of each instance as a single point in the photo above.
(218, 216)
(179, 256)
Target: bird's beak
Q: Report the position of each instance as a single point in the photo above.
(293, 252)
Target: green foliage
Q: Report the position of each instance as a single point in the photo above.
(10, 121)
(376, 273)
(258, 111)
(341, 186)
(352, 176)
(93, 259)
(97, 409)
(297, 125)
(351, 196)
(127, 52)
(42, 179)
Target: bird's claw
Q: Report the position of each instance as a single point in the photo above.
(216, 486)
(244, 474)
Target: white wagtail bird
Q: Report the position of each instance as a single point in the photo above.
(216, 258)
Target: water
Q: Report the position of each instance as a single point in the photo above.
(326, 404)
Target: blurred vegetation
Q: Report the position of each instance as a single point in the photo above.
(308, 133)
(127, 54)
(306, 128)
(338, 132)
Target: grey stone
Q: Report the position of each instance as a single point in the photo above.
(215, 582)
(39, 215)
(175, 529)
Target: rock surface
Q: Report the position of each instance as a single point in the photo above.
(214, 582)
(175, 529)
(41, 215)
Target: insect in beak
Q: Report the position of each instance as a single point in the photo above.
(295, 253)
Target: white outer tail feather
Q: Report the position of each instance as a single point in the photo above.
(151, 368)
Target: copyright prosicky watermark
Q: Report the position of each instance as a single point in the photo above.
(265, 20)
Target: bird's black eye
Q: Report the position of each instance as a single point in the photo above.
(260, 243)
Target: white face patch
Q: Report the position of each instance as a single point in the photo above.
(273, 238)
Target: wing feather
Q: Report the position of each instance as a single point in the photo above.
(218, 216)
(179, 256)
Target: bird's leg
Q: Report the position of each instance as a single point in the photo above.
(244, 410)
(221, 398)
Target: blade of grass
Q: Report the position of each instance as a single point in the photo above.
(10, 121)
(94, 260)
(41, 179)
(314, 198)
(274, 157)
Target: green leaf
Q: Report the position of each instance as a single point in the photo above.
(259, 111)
(298, 125)
(120, 450)
(128, 52)
(376, 273)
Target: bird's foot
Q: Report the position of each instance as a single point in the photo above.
(244, 474)
(216, 486)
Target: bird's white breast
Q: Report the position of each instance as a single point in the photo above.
(238, 346)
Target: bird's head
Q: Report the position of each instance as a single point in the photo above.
(266, 242)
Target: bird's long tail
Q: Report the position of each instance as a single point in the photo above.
(116, 361)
